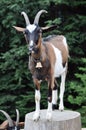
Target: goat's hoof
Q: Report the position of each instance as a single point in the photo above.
(36, 117)
(49, 116)
(61, 107)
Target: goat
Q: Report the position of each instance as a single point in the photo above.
(47, 61)
(9, 124)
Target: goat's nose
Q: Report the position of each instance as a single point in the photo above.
(31, 45)
(30, 48)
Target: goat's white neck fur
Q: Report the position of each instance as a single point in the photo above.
(31, 27)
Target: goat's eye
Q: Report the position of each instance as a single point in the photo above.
(39, 30)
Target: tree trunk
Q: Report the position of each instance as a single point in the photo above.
(66, 120)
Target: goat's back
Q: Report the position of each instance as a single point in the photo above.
(59, 42)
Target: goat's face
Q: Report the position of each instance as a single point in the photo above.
(33, 36)
(32, 32)
(11, 124)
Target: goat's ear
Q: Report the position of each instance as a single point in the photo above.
(19, 29)
(45, 29)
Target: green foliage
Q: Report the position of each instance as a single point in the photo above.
(82, 72)
(77, 92)
(16, 85)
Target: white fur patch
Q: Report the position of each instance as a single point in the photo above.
(31, 27)
(31, 43)
(54, 97)
(49, 107)
(62, 89)
(58, 65)
(37, 101)
(49, 111)
(37, 96)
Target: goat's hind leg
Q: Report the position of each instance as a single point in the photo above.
(54, 95)
(62, 89)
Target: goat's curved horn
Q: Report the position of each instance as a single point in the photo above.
(8, 118)
(17, 118)
(26, 18)
(36, 21)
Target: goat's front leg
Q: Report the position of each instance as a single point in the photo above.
(49, 110)
(36, 115)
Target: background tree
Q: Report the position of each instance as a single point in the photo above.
(16, 86)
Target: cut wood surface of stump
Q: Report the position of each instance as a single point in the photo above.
(65, 120)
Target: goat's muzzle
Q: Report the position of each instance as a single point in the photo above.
(31, 49)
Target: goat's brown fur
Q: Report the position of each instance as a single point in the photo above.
(58, 43)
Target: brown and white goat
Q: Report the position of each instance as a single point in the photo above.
(47, 61)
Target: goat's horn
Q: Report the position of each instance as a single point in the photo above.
(36, 21)
(17, 118)
(26, 18)
(8, 118)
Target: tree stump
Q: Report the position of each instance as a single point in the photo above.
(65, 120)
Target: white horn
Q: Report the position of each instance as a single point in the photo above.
(36, 21)
(17, 118)
(26, 18)
(8, 118)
